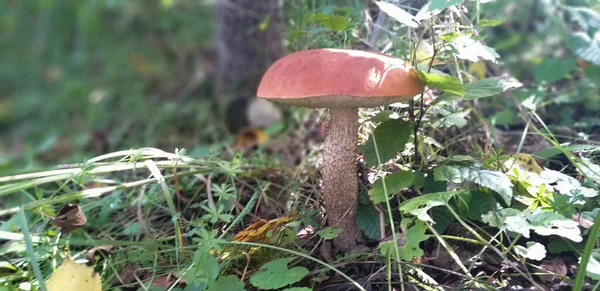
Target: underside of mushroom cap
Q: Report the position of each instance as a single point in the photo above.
(329, 78)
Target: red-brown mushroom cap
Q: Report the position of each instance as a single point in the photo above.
(337, 78)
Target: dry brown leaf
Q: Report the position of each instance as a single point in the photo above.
(69, 218)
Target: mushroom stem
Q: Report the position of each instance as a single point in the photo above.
(340, 182)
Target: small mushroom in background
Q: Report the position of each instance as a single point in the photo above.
(341, 80)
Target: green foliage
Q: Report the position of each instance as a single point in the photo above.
(393, 183)
(449, 84)
(420, 205)
(386, 141)
(494, 180)
(329, 232)
(230, 282)
(335, 22)
(275, 274)
(553, 69)
(408, 243)
(367, 220)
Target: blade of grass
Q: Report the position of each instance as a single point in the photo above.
(33, 263)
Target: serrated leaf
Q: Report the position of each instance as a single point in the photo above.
(442, 4)
(494, 180)
(367, 220)
(553, 69)
(586, 18)
(393, 183)
(397, 13)
(275, 274)
(585, 47)
(231, 282)
(449, 84)
(418, 206)
(334, 22)
(391, 137)
(483, 88)
(473, 50)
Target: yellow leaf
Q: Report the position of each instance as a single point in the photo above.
(478, 69)
(71, 276)
(259, 231)
(250, 138)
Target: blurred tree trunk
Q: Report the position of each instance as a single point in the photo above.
(250, 37)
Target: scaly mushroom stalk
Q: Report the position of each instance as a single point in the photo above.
(340, 183)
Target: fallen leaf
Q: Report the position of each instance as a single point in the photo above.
(69, 218)
(258, 232)
(72, 276)
(90, 255)
(249, 138)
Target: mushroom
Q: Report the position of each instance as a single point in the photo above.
(341, 80)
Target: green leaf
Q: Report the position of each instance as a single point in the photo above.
(449, 84)
(334, 22)
(418, 206)
(593, 267)
(133, 229)
(553, 69)
(329, 232)
(442, 4)
(473, 50)
(391, 137)
(449, 37)
(298, 289)
(553, 151)
(534, 251)
(585, 47)
(490, 22)
(367, 220)
(483, 88)
(393, 183)
(586, 18)
(494, 180)
(231, 282)
(408, 242)
(397, 13)
(447, 173)
(275, 274)
(542, 222)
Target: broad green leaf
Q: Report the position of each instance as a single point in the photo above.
(418, 206)
(442, 4)
(297, 289)
(585, 47)
(586, 18)
(275, 274)
(449, 37)
(483, 88)
(494, 180)
(472, 50)
(553, 69)
(397, 13)
(231, 282)
(393, 183)
(367, 220)
(384, 115)
(533, 251)
(329, 232)
(408, 242)
(557, 246)
(449, 84)
(447, 173)
(542, 222)
(391, 137)
(334, 22)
